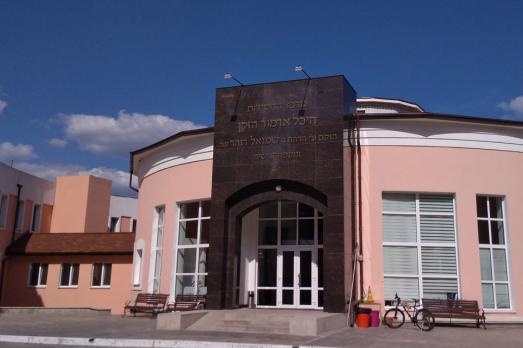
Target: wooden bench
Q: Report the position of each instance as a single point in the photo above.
(456, 309)
(147, 303)
(187, 303)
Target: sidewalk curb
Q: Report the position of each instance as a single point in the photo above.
(135, 343)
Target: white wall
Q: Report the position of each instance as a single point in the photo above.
(122, 206)
(36, 189)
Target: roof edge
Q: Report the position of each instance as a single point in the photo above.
(442, 117)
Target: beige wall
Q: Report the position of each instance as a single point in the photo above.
(463, 172)
(81, 204)
(18, 293)
(125, 224)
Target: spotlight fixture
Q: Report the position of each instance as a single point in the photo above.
(228, 76)
(278, 188)
(299, 68)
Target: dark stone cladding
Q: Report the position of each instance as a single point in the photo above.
(305, 158)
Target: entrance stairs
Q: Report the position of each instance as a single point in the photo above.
(266, 321)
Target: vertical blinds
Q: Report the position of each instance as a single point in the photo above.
(419, 227)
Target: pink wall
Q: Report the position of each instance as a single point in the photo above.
(464, 172)
(17, 293)
(191, 181)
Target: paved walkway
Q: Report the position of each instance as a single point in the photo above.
(120, 330)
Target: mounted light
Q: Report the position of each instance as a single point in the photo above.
(278, 188)
(228, 76)
(299, 68)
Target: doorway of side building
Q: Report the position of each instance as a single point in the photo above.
(282, 256)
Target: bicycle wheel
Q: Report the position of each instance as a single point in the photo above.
(394, 318)
(425, 320)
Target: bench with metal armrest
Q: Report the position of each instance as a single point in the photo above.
(456, 309)
(147, 303)
(187, 303)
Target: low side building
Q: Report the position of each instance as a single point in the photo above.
(78, 263)
(69, 270)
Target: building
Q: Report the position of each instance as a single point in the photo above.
(26, 205)
(306, 196)
(71, 260)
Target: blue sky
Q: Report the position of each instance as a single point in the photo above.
(82, 83)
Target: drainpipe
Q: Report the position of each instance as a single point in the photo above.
(17, 208)
(360, 213)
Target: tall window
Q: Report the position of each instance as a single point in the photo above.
(113, 224)
(35, 225)
(419, 246)
(38, 274)
(192, 246)
(101, 275)
(495, 282)
(3, 211)
(157, 246)
(137, 267)
(69, 275)
(20, 217)
(133, 228)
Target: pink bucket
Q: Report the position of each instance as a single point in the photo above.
(374, 319)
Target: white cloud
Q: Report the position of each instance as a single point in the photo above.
(515, 105)
(128, 131)
(119, 178)
(56, 142)
(3, 105)
(16, 152)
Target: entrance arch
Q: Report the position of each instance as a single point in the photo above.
(281, 257)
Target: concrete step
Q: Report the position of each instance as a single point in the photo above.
(260, 326)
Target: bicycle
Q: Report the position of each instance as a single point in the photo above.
(395, 317)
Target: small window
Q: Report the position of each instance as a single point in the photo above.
(35, 225)
(69, 275)
(133, 229)
(38, 274)
(101, 275)
(3, 211)
(20, 217)
(114, 223)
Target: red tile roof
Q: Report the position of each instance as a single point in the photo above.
(72, 243)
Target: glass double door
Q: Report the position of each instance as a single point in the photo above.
(297, 272)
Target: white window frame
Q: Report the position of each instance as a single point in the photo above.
(156, 249)
(36, 227)
(3, 222)
(280, 248)
(196, 246)
(491, 247)
(69, 285)
(419, 244)
(102, 276)
(40, 270)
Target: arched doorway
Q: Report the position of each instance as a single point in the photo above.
(281, 257)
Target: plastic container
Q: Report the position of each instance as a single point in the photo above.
(374, 319)
(362, 320)
(363, 317)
